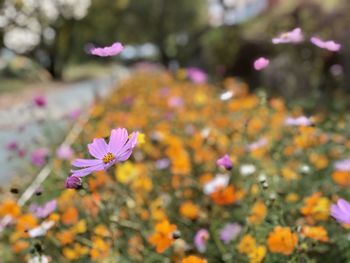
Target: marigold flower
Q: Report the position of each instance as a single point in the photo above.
(258, 213)
(163, 237)
(189, 210)
(282, 240)
(316, 207)
(9, 207)
(193, 259)
(70, 216)
(318, 233)
(226, 196)
(247, 244)
(100, 249)
(65, 237)
(257, 255)
(342, 178)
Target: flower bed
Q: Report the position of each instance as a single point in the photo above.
(217, 175)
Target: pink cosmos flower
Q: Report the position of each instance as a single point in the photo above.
(329, 45)
(229, 232)
(44, 210)
(12, 146)
(109, 51)
(294, 36)
(74, 115)
(40, 101)
(343, 165)
(261, 63)
(225, 162)
(64, 152)
(200, 240)
(299, 121)
(118, 149)
(38, 156)
(341, 211)
(197, 75)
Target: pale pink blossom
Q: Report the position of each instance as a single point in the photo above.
(294, 36)
(261, 63)
(329, 45)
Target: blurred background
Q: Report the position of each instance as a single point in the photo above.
(46, 40)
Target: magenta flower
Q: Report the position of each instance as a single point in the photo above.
(38, 156)
(225, 162)
(197, 75)
(12, 146)
(341, 211)
(73, 182)
(329, 45)
(299, 121)
(229, 232)
(64, 152)
(200, 240)
(109, 51)
(40, 101)
(45, 210)
(261, 63)
(294, 36)
(119, 149)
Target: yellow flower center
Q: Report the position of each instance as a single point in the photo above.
(108, 158)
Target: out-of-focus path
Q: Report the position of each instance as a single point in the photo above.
(60, 103)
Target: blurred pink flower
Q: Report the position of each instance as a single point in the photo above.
(40, 101)
(44, 210)
(109, 51)
(64, 152)
(12, 146)
(229, 232)
(299, 121)
(220, 181)
(38, 156)
(175, 102)
(261, 63)
(74, 114)
(197, 75)
(329, 45)
(225, 162)
(294, 36)
(258, 144)
(343, 165)
(200, 240)
(118, 149)
(341, 211)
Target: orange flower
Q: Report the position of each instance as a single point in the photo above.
(318, 233)
(282, 240)
(316, 207)
(70, 216)
(65, 237)
(19, 246)
(189, 210)
(226, 196)
(342, 178)
(258, 213)
(162, 238)
(9, 207)
(26, 222)
(193, 259)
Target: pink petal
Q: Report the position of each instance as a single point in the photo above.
(98, 148)
(113, 50)
(344, 206)
(86, 162)
(261, 63)
(117, 140)
(89, 170)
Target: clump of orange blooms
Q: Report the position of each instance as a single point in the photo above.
(172, 202)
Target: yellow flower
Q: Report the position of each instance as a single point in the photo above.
(247, 244)
(75, 252)
(125, 172)
(257, 255)
(79, 228)
(189, 210)
(318, 233)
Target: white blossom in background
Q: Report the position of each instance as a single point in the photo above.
(21, 39)
(24, 27)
